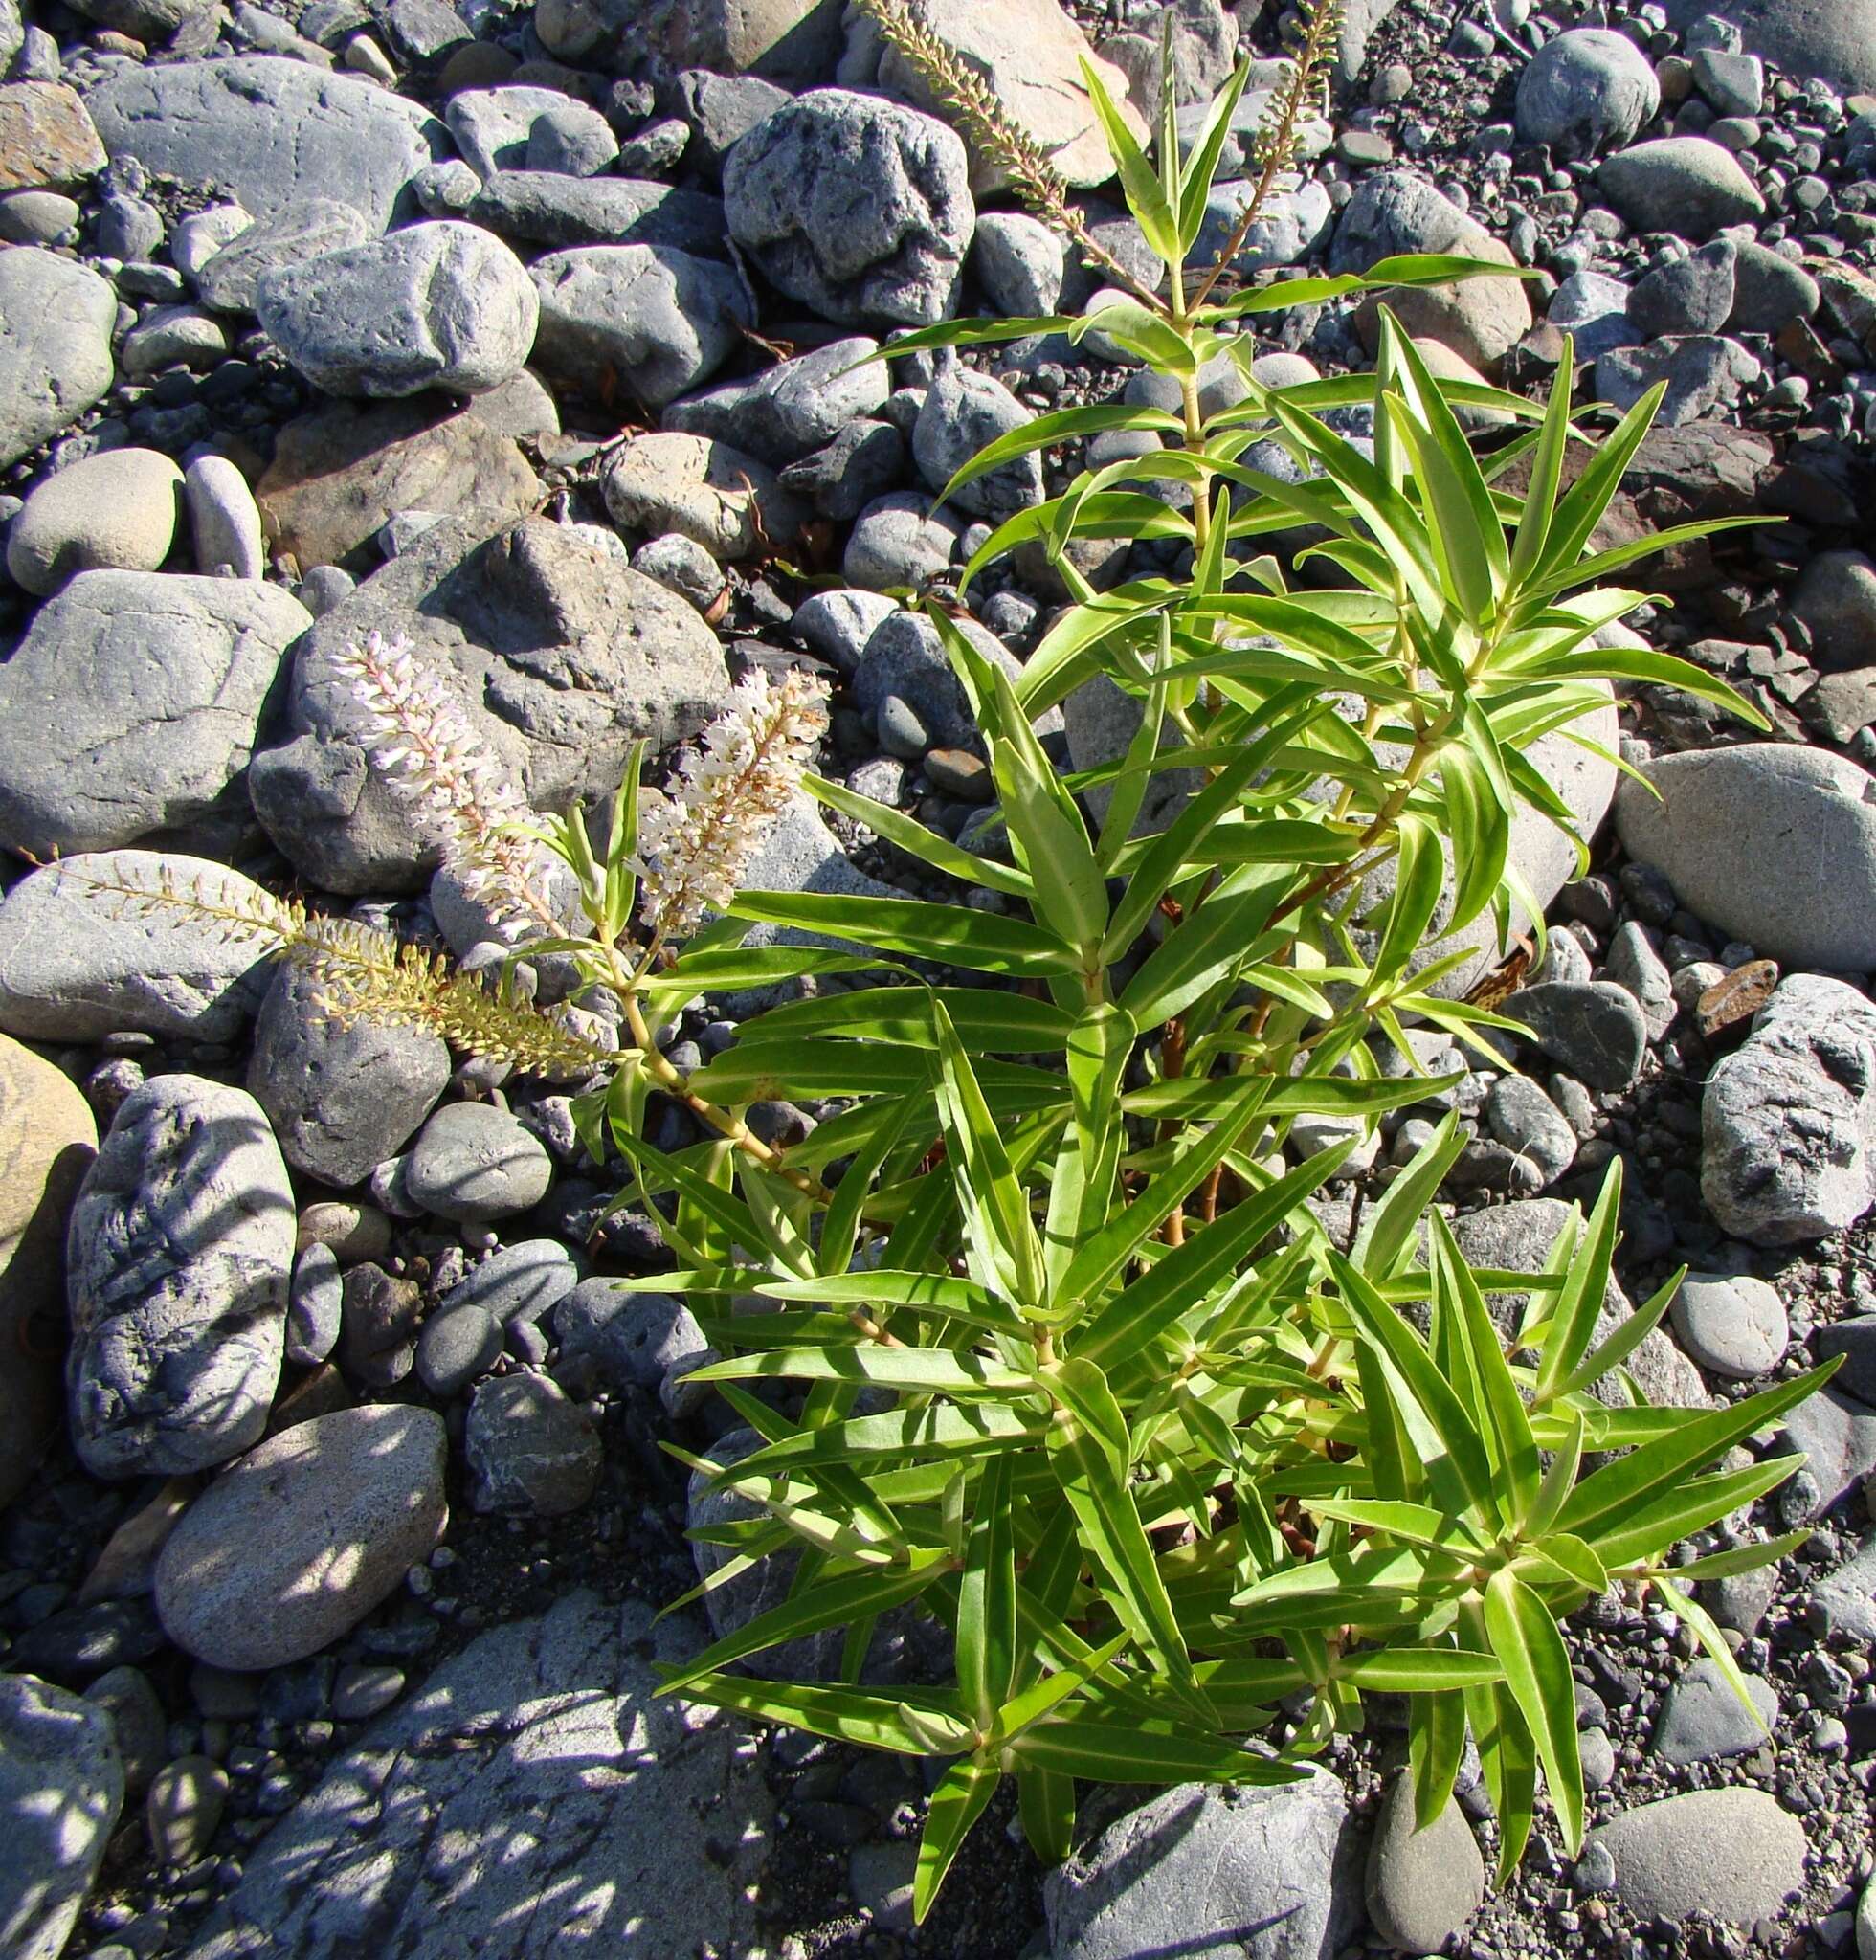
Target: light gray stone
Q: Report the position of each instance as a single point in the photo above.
(474, 1163)
(1704, 371)
(1841, 1605)
(56, 323)
(905, 658)
(224, 521)
(291, 1548)
(455, 1824)
(1634, 965)
(1832, 39)
(1593, 308)
(899, 541)
(1687, 184)
(1019, 262)
(494, 126)
(342, 1096)
(1395, 211)
(855, 206)
(837, 624)
(1704, 1721)
(561, 654)
(702, 489)
(80, 959)
(1733, 1854)
(532, 1453)
(61, 1786)
(963, 412)
(1732, 1324)
(1525, 1121)
(1423, 1883)
(269, 131)
(520, 1282)
(656, 321)
(434, 305)
(131, 708)
(292, 235)
(173, 337)
(177, 1257)
(1788, 1121)
(1772, 843)
(790, 409)
(314, 1302)
(1268, 1873)
(196, 239)
(1588, 89)
(113, 511)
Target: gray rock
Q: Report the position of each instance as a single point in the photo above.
(139, 1719)
(61, 1786)
(1593, 308)
(1634, 965)
(56, 323)
(905, 658)
(794, 408)
(294, 236)
(456, 1345)
(1841, 1605)
(1423, 1884)
(39, 217)
(1836, 599)
(269, 132)
(342, 1097)
(520, 1282)
(1595, 1032)
(1732, 1324)
(361, 1690)
(704, 490)
(177, 1257)
(1286, 230)
(289, 1549)
(634, 1340)
(855, 206)
(455, 1825)
(474, 1163)
(494, 129)
(543, 208)
(1832, 39)
(131, 708)
(1019, 262)
(561, 654)
(899, 541)
(315, 1303)
(184, 1808)
(784, 41)
(172, 337)
(1689, 295)
(224, 521)
(378, 1320)
(860, 466)
(434, 305)
(683, 565)
(1788, 1121)
(1703, 1721)
(1395, 211)
(1734, 83)
(1687, 184)
(1836, 1434)
(115, 510)
(1772, 843)
(196, 239)
(1587, 90)
(656, 321)
(1703, 371)
(837, 624)
(1854, 1338)
(1733, 1854)
(1269, 1873)
(963, 412)
(1525, 1121)
(532, 1453)
(80, 958)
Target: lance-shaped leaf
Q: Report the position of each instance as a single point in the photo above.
(996, 1207)
(919, 1370)
(987, 1597)
(953, 935)
(1108, 1747)
(1524, 1639)
(910, 1721)
(962, 1793)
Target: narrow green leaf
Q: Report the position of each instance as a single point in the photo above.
(963, 1793)
(953, 934)
(1525, 1638)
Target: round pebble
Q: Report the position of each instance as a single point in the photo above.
(474, 1163)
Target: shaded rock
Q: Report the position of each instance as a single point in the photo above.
(61, 1786)
(184, 1809)
(1836, 599)
(292, 237)
(438, 305)
(561, 655)
(177, 1258)
(459, 1809)
(544, 207)
(857, 206)
(783, 40)
(1267, 1871)
(56, 323)
(1423, 1884)
(532, 1453)
(1687, 184)
(294, 1546)
(341, 472)
(1703, 371)
(1395, 212)
(1788, 1121)
(268, 132)
(131, 708)
(1772, 843)
(634, 1340)
(342, 1097)
(1691, 295)
(80, 959)
(1731, 1853)
(494, 129)
(48, 1139)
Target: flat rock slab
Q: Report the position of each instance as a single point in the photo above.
(1731, 1854)
(538, 1798)
(270, 132)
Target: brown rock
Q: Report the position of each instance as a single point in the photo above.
(340, 472)
(47, 1140)
(1727, 1008)
(1481, 320)
(127, 1567)
(47, 141)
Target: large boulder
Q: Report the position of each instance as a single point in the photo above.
(55, 323)
(176, 1271)
(443, 305)
(48, 1139)
(130, 708)
(1788, 1121)
(1774, 844)
(1733, 1855)
(269, 132)
(288, 1550)
(562, 656)
(781, 40)
(1687, 184)
(61, 1786)
(1832, 39)
(1587, 90)
(855, 206)
(93, 945)
(539, 1796)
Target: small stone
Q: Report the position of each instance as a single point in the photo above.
(55, 323)
(1527, 1122)
(531, 1452)
(1704, 1721)
(1730, 1324)
(139, 1721)
(315, 1298)
(1595, 1032)
(184, 1809)
(362, 1689)
(1634, 965)
(457, 1346)
(1732, 1002)
(474, 1164)
(1423, 1884)
(378, 1325)
(224, 521)
(1691, 295)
